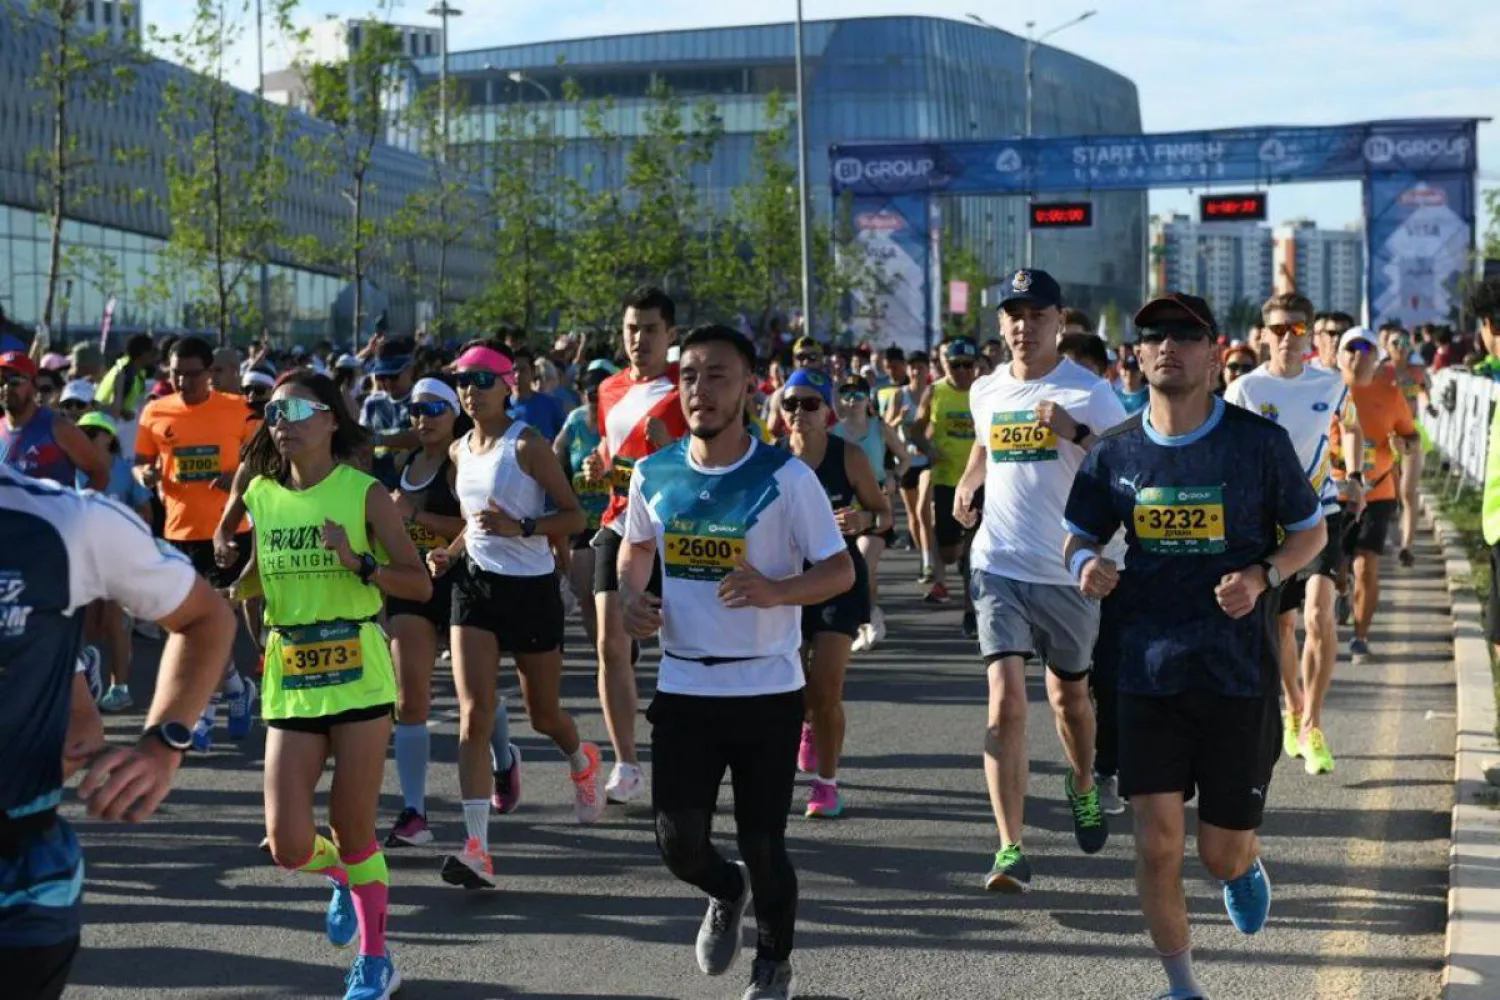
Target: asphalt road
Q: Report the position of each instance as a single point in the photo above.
(891, 904)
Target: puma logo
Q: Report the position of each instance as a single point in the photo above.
(1259, 793)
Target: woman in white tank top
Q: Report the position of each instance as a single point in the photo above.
(514, 495)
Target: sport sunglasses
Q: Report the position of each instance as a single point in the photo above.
(482, 380)
(293, 409)
(807, 404)
(1178, 333)
(432, 408)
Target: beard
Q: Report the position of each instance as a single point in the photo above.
(725, 417)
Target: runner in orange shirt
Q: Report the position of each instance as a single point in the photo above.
(1410, 375)
(1386, 425)
(188, 449)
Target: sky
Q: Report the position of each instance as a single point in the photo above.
(1197, 64)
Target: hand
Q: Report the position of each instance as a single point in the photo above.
(226, 551)
(336, 540)
(642, 613)
(404, 506)
(747, 587)
(129, 783)
(851, 521)
(494, 521)
(1238, 592)
(148, 476)
(224, 482)
(963, 506)
(1049, 414)
(85, 739)
(1099, 579)
(656, 433)
(438, 562)
(593, 466)
(1354, 497)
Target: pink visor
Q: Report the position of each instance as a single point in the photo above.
(490, 360)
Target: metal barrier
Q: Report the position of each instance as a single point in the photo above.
(1460, 432)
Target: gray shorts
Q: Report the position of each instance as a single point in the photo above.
(1053, 622)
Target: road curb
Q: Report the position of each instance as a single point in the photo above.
(1471, 960)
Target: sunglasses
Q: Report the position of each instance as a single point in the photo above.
(1240, 368)
(1179, 334)
(293, 409)
(811, 359)
(807, 404)
(1359, 346)
(960, 366)
(72, 405)
(15, 380)
(854, 395)
(433, 408)
(1282, 329)
(484, 381)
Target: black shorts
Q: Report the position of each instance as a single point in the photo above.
(912, 479)
(524, 613)
(1492, 607)
(949, 532)
(322, 725)
(202, 556)
(888, 536)
(583, 539)
(606, 545)
(38, 973)
(1332, 561)
(1293, 593)
(845, 613)
(439, 609)
(1371, 530)
(1222, 748)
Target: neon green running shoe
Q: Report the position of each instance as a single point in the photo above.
(1291, 734)
(1010, 873)
(1318, 758)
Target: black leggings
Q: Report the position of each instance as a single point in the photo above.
(1104, 679)
(693, 740)
(38, 973)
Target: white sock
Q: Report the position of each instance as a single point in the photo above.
(477, 822)
(210, 713)
(578, 762)
(233, 685)
(926, 559)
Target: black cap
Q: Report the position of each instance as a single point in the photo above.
(1177, 307)
(1034, 287)
(960, 347)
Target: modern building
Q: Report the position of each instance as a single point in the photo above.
(334, 40)
(870, 78)
(114, 239)
(121, 20)
(1227, 263)
(1326, 265)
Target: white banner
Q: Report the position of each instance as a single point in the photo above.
(1461, 430)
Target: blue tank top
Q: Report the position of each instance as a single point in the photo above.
(33, 449)
(873, 444)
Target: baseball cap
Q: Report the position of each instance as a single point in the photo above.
(1350, 336)
(814, 380)
(1033, 287)
(601, 365)
(257, 379)
(97, 420)
(595, 377)
(960, 347)
(18, 361)
(1177, 307)
(395, 365)
(79, 390)
(346, 362)
(52, 361)
(807, 344)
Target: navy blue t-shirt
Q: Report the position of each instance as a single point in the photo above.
(1195, 508)
(541, 411)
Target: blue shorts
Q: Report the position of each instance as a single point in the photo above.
(41, 890)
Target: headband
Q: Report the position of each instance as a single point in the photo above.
(490, 360)
(257, 379)
(436, 387)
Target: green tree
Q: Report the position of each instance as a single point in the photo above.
(767, 216)
(595, 272)
(1490, 247)
(1241, 315)
(961, 263)
(221, 202)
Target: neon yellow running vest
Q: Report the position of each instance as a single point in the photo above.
(326, 654)
(952, 433)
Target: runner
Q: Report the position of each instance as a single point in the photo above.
(188, 449)
(37, 441)
(61, 551)
(1306, 402)
(578, 439)
(330, 685)
(505, 599)
(900, 412)
(1410, 375)
(830, 627)
(124, 389)
(1383, 416)
(859, 425)
(736, 522)
(806, 353)
(426, 501)
(1201, 489)
(1328, 327)
(1038, 413)
(943, 419)
(639, 413)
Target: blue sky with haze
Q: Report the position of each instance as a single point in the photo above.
(1196, 63)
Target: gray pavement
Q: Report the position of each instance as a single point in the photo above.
(891, 904)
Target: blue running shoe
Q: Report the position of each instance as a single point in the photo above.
(343, 922)
(91, 665)
(203, 737)
(372, 978)
(1248, 899)
(242, 711)
(1359, 650)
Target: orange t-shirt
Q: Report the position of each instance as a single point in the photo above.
(1383, 412)
(194, 446)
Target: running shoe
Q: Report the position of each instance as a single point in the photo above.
(1405, 558)
(971, 625)
(825, 801)
(1109, 794)
(410, 830)
(1359, 649)
(1011, 873)
(1319, 759)
(372, 978)
(719, 934)
(1175, 995)
(862, 641)
(91, 665)
(342, 924)
(1248, 899)
(116, 699)
(1291, 734)
(1342, 608)
(625, 785)
(203, 736)
(588, 797)
(472, 869)
(569, 599)
(770, 981)
(936, 594)
(507, 794)
(807, 751)
(241, 711)
(1090, 827)
(877, 623)
(926, 576)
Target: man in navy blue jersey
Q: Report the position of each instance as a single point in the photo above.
(1217, 511)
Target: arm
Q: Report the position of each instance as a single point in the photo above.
(85, 727)
(562, 443)
(895, 447)
(641, 610)
(81, 452)
(234, 516)
(876, 515)
(746, 587)
(893, 410)
(969, 485)
(404, 576)
(542, 465)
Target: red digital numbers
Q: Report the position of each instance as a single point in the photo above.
(1232, 207)
(1062, 215)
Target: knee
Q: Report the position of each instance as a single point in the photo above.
(1225, 858)
(476, 716)
(682, 840)
(412, 707)
(1069, 697)
(1009, 709)
(547, 719)
(291, 850)
(1158, 848)
(1319, 619)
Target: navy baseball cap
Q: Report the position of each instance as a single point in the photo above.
(1033, 287)
(1177, 307)
(960, 347)
(391, 366)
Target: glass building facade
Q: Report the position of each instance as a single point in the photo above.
(876, 78)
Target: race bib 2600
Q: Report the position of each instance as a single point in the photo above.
(703, 552)
(1180, 520)
(1017, 437)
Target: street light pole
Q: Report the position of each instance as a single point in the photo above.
(517, 77)
(802, 199)
(444, 10)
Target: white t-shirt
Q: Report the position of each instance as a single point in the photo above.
(1030, 471)
(769, 508)
(1305, 407)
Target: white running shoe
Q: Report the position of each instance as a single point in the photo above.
(626, 784)
(877, 626)
(569, 599)
(864, 640)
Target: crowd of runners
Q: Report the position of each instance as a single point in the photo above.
(1147, 522)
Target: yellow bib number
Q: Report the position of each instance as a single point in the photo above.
(423, 539)
(197, 464)
(593, 496)
(704, 552)
(619, 474)
(1017, 437)
(1171, 520)
(316, 656)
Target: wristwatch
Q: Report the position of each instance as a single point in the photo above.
(1081, 432)
(174, 734)
(368, 567)
(528, 527)
(1273, 575)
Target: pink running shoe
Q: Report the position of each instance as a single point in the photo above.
(588, 797)
(807, 751)
(825, 801)
(507, 793)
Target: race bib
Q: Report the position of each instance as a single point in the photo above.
(316, 656)
(425, 540)
(197, 464)
(696, 550)
(593, 496)
(1180, 520)
(1017, 437)
(619, 474)
(958, 426)
(1370, 449)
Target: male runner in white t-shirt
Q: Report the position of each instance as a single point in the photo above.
(1034, 420)
(1305, 401)
(734, 521)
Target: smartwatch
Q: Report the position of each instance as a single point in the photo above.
(368, 567)
(528, 527)
(1273, 575)
(175, 735)
(1081, 432)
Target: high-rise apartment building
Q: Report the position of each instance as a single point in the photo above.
(1326, 265)
(1227, 263)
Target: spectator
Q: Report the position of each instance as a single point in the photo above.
(1484, 304)
(34, 440)
(124, 388)
(1442, 357)
(540, 410)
